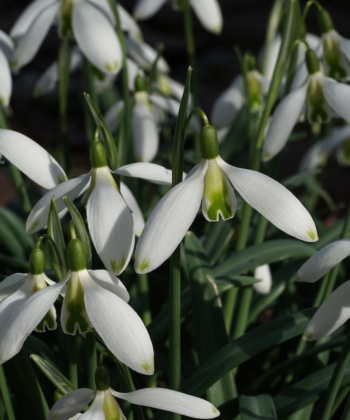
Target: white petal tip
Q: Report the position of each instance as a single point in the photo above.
(148, 366)
(143, 267)
(266, 156)
(217, 30)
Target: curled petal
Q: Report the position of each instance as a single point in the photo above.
(139, 221)
(96, 37)
(29, 44)
(283, 121)
(170, 221)
(273, 201)
(166, 399)
(148, 171)
(209, 14)
(110, 282)
(31, 159)
(38, 217)
(331, 315)
(119, 326)
(263, 273)
(145, 55)
(110, 223)
(324, 260)
(145, 9)
(71, 404)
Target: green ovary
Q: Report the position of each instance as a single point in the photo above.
(110, 408)
(216, 191)
(75, 307)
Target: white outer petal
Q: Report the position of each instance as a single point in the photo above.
(332, 314)
(11, 284)
(338, 97)
(110, 223)
(5, 80)
(144, 9)
(38, 217)
(273, 201)
(110, 282)
(31, 159)
(173, 401)
(144, 130)
(170, 221)
(30, 43)
(119, 326)
(96, 411)
(283, 121)
(313, 157)
(324, 260)
(139, 221)
(112, 116)
(272, 55)
(209, 14)
(228, 104)
(263, 273)
(129, 24)
(71, 403)
(26, 319)
(148, 171)
(6, 45)
(96, 37)
(145, 55)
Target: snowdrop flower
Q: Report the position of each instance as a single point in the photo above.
(6, 50)
(17, 292)
(334, 311)
(31, 159)
(229, 103)
(90, 21)
(207, 11)
(104, 406)
(336, 49)
(211, 183)
(319, 152)
(263, 273)
(109, 218)
(320, 98)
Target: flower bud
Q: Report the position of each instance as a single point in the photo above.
(76, 255)
(36, 262)
(325, 21)
(98, 155)
(209, 144)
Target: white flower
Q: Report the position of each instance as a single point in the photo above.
(6, 50)
(263, 273)
(104, 406)
(319, 152)
(207, 11)
(31, 159)
(320, 98)
(209, 183)
(91, 22)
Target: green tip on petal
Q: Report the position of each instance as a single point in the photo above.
(313, 235)
(14, 64)
(34, 225)
(112, 67)
(297, 278)
(117, 267)
(143, 266)
(60, 180)
(148, 367)
(307, 335)
(266, 155)
(215, 410)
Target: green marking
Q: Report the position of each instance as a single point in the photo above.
(48, 322)
(34, 225)
(75, 307)
(215, 410)
(111, 408)
(143, 266)
(332, 56)
(312, 234)
(60, 180)
(266, 155)
(148, 368)
(316, 101)
(14, 64)
(307, 335)
(112, 66)
(117, 267)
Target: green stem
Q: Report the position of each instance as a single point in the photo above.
(325, 408)
(230, 304)
(89, 87)
(73, 360)
(142, 281)
(154, 71)
(6, 395)
(125, 84)
(198, 111)
(91, 355)
(64, 57)
(16, 175)
(340, 398)
(346, 412)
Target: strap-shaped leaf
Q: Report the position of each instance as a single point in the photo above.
(54, 230)
(80, 229)
(18, 227)
(264, 253)
(260, 407)
(218, 239)
(56, 377)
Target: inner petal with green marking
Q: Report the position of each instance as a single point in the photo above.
(317, 109)
(111, 408)
(218, 195)
(49, 321)
(333, 57)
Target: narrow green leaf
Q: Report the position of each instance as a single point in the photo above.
(239, 281)
(299, 179)
(218, 239)
(210, 327)
(264, 253)
(80, 229)
(107, 135)
(246, 347)
(17, 263)
(56, 377)
(9, 240)
(54, 230)
(260, 407)
(18, 227)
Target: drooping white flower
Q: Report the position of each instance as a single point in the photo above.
(263, 273)
(104, 406)
(320, 98)
(31, 159)
(207, 11)
(211, 183)
(91, 22)
(6, 50)
(319, 152)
